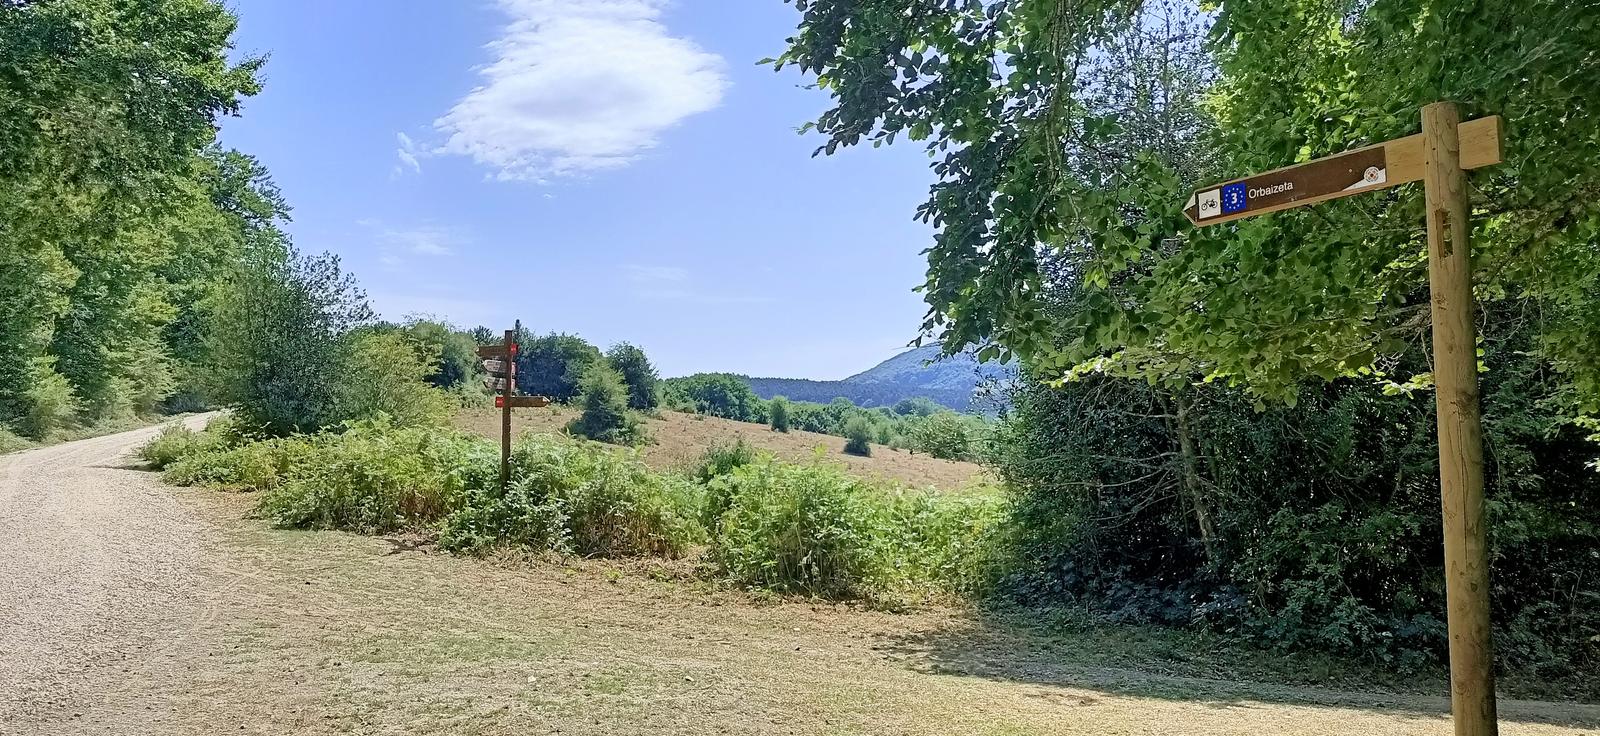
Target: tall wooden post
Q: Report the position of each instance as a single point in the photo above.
(505, 411)
(1455, 371)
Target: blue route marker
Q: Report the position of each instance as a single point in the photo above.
(1235, 198)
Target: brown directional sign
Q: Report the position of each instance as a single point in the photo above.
(522, 402)
(494, 384)
(1352, 172)
(499, 367)
(495, 351)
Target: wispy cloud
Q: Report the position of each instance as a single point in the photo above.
(427, 240)
(579, 86)
(689, 296)
(407, 152)
(655, 274)
(674, 284)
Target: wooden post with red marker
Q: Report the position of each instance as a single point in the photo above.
(500, 363)
(1439, 157)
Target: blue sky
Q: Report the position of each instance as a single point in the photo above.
(619, 169)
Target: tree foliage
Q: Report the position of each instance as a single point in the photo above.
(553, 365)
(1218, 487)
(1014, 100)
(778, 414)
(858, 437)
(637, 372)
(457, 351)
(390, 374)
(117, 209)
(280, 336)
(717, 394)
(604, 398)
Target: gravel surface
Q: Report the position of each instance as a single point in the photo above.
(98, 587)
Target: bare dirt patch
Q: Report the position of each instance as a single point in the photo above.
(678, 440)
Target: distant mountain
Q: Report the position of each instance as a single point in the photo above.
(947, 381)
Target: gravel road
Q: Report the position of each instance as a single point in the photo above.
(98, 587)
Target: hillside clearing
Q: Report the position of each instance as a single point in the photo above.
(678, 439)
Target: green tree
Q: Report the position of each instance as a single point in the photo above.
(457, 351)
(553, 365)
(778, 414)
(917, 406)
(604, 398)
(717, 394)
(106, 109)
(639, 375)
(945, 435)
(389, 374)
(1326, 291)
(279, 338)
(858, 437)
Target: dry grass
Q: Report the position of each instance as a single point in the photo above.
(328, 633)
(679, 439)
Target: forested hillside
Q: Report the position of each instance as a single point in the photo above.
(957, 382)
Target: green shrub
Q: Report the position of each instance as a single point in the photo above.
(722, 458)
(387, 374)
(946, 435)
(173, 444)
(719, 460)
(807, 529)
(946, 543)
(51, 404)
(816, 530)
(256, 466)
(177, 442)
(605, 415)
(10, 442)
(374, 477)
(778, 414)
(858, 437)
(624, 510)
(575, 497)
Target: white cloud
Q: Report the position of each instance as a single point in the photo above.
(578, 86)
(395, 243)
(408, 154)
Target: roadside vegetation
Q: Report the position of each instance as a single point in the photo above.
(765, 524)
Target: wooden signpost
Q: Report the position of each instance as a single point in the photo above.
(500, 362)
(1439, 157)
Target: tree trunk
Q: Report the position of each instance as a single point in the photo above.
(1192, 486)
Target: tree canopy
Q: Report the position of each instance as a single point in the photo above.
(1011, 100)
(119, 211)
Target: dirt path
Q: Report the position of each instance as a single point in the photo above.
(127, 608)
(98, 582)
